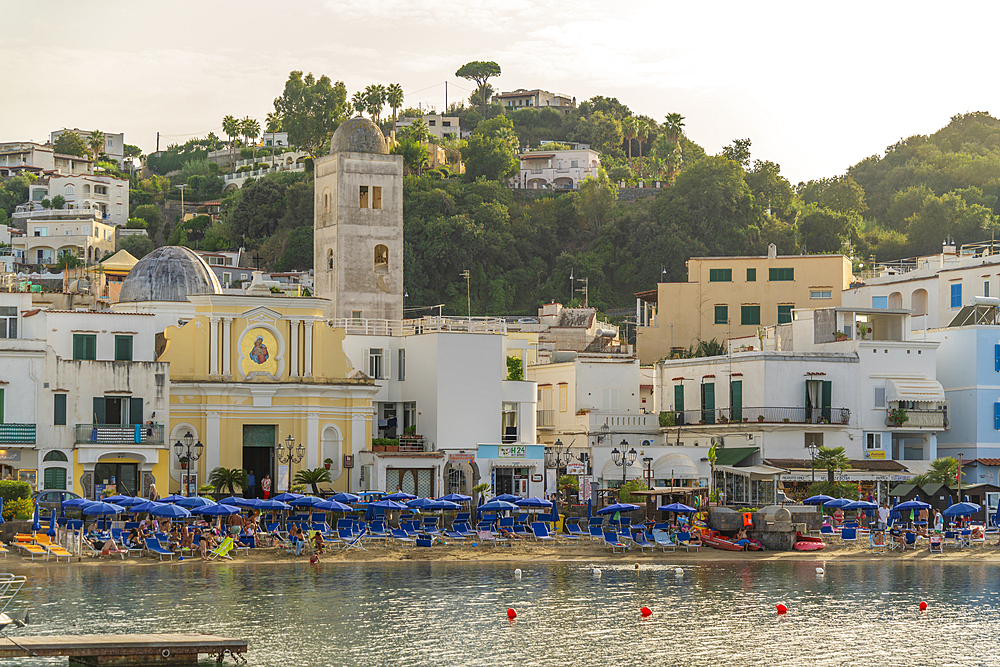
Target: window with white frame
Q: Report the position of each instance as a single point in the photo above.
(8, 321)
(401, 365)
(375, 368)
(873, 441)
(820, 294)
(879, 397)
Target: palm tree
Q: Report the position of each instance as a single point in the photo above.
(418, 130)
(231, 127)
(394, 97)
(313, 477)
(228, 477)
(273, 125)
(358, 102)
(374, 97)
(250, 128)
(833, 459)
(630, 130)
(943, 471)
(478, 490)
(641, 132)
(95, 143)
(675, 130)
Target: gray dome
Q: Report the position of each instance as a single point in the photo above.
(359, 135)
(170, 273)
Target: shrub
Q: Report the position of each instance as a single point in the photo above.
(384, 442)
(666, 419)
(22, 508)
(13, 490)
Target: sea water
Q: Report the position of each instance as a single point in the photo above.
(424, 613)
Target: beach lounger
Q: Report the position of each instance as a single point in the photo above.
(596, 532)
(430, 526)
(4, 550)
(454, 535)
(34, 551)
(611, 540)
(826, 530)
(849, 535)
(639, 539)
(411, 528)
(662, 539)
(936, 544)
(540, 532)
(575, 530)
(684, 541)
(876, 540)
(222, 551)
(153, 546)
(462, 528)
(965, 538)
(58, 552)
(486, 537)
(136, 552)
(400, 536)
(521, 530)
(425, 541)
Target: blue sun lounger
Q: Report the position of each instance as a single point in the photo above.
(611, 540)
(540, 532)
(400, 536)
(154, 547)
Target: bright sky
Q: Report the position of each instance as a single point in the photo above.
(815, 86)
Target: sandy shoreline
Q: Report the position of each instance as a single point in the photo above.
(583, 552)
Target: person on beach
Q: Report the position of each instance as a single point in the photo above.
(741, 539)
(883, 517)
(318, 542)
(153, 496)
(938, 521)
(838, 517)
(898, 536)
(265, 486)
(251, 485)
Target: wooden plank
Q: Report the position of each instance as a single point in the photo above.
(112, 645)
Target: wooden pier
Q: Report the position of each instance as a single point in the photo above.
(144, 650)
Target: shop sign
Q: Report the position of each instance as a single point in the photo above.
(536, 477)
(875, 454)
(512, 452)
(10, 454)
(576, 468)
(459, 458)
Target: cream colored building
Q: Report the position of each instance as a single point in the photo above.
(56, 231)
(731, 297)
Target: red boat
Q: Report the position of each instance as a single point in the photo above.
(799, 537)
(719, 542)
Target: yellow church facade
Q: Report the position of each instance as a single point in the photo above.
(264, 384)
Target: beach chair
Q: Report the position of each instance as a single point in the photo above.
(33, 551)
(430, 526)
(596, 532)
(662, 539)
(462, 528)
(376, 531)
(826, 530)
(520, 530)
(639, 540)
(980, 540)
(411, 528)
(136, 552)
(153, 546)
(222, 551)
(910, 540)
(611, 540)
(849, 535)
(461, 517)
(4, 550)
(951, 538)
(876, 540)
(454, 535)
(540, 532)
(58, 552)
(425, 541)
(486, 537)
(936, 544)
(401, 537)
(965, 538)
(684, 541)
(575, 530)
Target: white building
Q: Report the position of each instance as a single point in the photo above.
(819, 383)
(558, 170)
(82, 398)
(39, 159)
(114, 144)
(536, 98)
(441, 126)
(50, 233)
(106, 194)
(245, 169)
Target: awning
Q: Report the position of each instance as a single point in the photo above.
(929, 391)
(674, 466)
(613, 472)
(756, 471)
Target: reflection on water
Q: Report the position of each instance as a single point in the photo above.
(454, 614)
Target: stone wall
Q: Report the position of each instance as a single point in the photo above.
(624, 194)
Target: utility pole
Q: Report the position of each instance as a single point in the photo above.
(468, 294)
(446, 97)
(157, 142)
(182, 188)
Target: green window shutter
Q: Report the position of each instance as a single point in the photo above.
(720, 275)
(92, 347)
(135, 411)
(722, 314)
(749, 315)
(751, 275)
(781, 274)
(1, 405)
(785, 314)
(59, 409)
(708, 403)
(679, 403)
(79, 346)
(736, 401)
(123, 348)
(98, 415)
(826, 400)
(55, 478)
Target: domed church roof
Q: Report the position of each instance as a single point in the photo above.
(170, 273)
(359, 135)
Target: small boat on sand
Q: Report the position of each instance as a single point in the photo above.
(719, 542)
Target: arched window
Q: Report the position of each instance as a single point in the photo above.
(331, 449)
(69, 191)
(896, 300)
(55, 455)
(382, 256)
(326, 201)
(86, 189)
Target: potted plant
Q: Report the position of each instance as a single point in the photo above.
(898, 416)
(327, 463)
(840, 336)
(184, 463)
(760, 418)
(863, 330)
(786, 420)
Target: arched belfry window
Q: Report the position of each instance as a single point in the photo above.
(381, 257)
(329, 259)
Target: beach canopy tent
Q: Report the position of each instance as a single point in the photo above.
(817, 500)
(679, 508)
(962, 509)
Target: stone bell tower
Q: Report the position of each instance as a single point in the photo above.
(358, 225)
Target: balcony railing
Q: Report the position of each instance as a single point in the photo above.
(118, 434)
(412, 443)
(921, 419)
(545, 418)
(366, 327)
(763, 415)
(17, 433)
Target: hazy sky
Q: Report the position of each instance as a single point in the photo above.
(815, 86)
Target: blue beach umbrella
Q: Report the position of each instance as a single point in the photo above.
(860, 505)
(506, 497)
(75, 502)
(817, 500)
(387, 504)
(285, 497)
(419, 503)
(147, 506)
(253, 503)
(305, 501)
(348, 498)
(116, 498)
(456, 498)
(273, 504)
(839, 502)
(589, 508)
(618, 507)
(962, 509)
(912, 505)
(231, 500)
(101, 509)
(130, 501)
(217, 510)
(171, 499)
(534, 501)
(194, 501)
(51, 532)
(35, 525)
(680, 508)
(443, 505)
(170, 512)
(333, 506)
(497, 506)
(400, 496)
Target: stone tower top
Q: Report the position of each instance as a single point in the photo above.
(359, 135)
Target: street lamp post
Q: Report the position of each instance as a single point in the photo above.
(648, 461)
(184, 451)
(294, 455)
(624, 459)
(812, 457)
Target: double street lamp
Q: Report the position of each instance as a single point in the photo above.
(189, 452)
(294, 455)
(624, 459)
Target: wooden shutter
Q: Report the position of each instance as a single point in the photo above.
(59, 409)
(679, 404)
(708, 402)
(996, 355)
(826, 400)
(79, 346)
(1, 406)
(98, 415)
(736, 401)
(55, 478)
(135, 411)
(996, 415)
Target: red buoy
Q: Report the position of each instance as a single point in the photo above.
(923, 606)
(511, 614)
(646, 611)
(782, 609)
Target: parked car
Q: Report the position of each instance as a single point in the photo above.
(52, 499)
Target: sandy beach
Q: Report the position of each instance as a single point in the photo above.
(574, 552)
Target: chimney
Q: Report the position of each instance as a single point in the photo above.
(772, 251)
